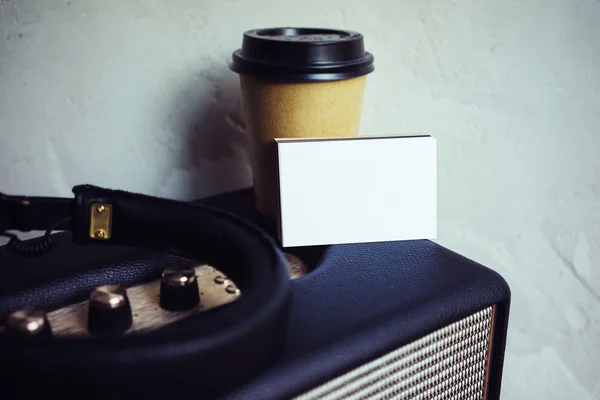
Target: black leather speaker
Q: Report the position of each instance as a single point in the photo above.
(390, 320)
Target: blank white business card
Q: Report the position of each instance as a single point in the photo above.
(365, 189)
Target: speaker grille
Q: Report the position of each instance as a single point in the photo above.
(449, 363)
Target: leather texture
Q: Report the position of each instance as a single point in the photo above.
(193, 349)
(364, 300)
(359, 302)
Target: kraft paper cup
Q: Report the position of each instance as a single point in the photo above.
(298, 83)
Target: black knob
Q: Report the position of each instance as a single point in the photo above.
(109, 311)
(28, 323)
(179, 289)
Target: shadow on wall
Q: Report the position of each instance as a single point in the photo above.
(211, 138)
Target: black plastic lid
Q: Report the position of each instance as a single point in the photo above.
(302, 54)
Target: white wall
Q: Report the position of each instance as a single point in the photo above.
(137, 95)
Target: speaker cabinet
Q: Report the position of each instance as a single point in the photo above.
(387, 320)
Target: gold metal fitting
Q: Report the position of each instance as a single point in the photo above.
(231, 289)
(100, 221)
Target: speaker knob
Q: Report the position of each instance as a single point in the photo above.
(179, 289)
(109, 311)
(28, 323)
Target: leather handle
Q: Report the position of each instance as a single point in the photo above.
(166, 225)
(137, 219)
(24, 213)
(199, 349)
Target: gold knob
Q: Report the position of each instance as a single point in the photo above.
(109, 311)
(28, 322)
(179, 276)
(179, 289)
(108, 296)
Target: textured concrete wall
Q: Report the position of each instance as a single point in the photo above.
(137, 95)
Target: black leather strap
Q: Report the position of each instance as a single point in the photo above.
(199, 349)
(28, 213)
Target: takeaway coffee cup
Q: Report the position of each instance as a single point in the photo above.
(298, 83)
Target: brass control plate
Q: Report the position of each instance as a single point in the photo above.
(215, 290)
(146, 312)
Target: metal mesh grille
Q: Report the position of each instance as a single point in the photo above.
(449, 363)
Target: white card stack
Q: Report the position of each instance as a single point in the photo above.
(364, 189)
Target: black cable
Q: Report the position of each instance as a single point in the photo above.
(33, 247)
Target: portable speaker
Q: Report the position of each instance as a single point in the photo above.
(387, 320)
